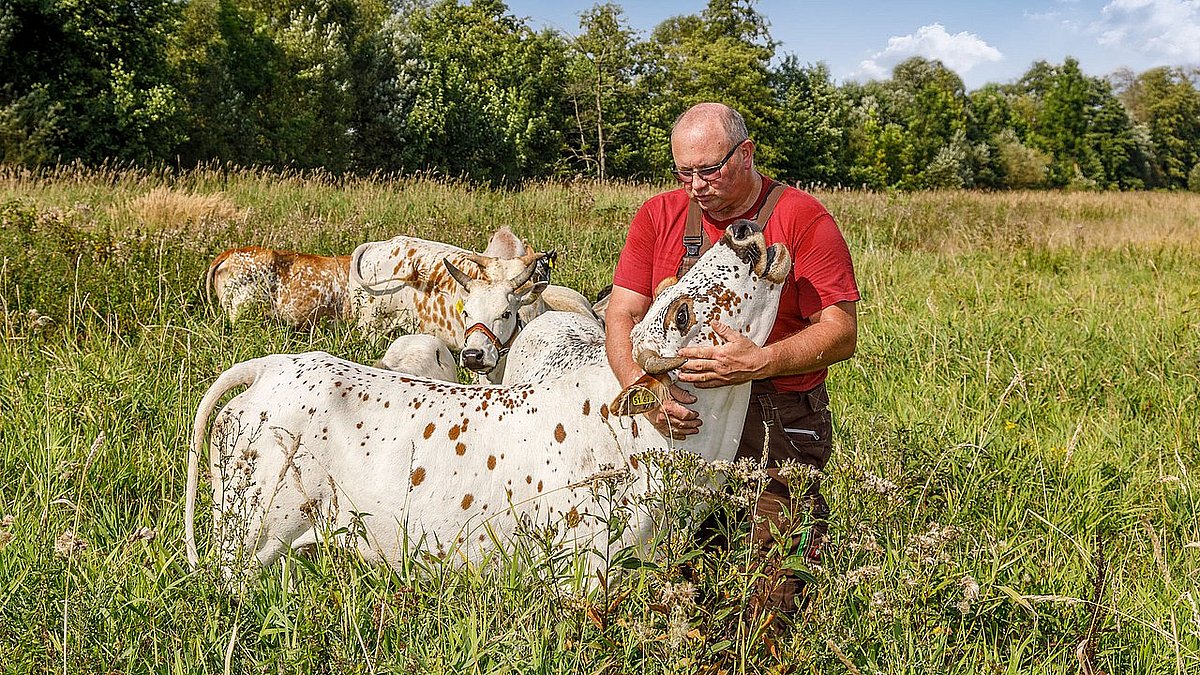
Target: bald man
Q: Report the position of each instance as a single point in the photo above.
(816, 325)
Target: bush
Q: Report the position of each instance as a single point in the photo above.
(1194, 178)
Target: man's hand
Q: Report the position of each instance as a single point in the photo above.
(736, 361)
(672, 419)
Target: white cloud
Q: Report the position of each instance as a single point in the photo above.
(959, 52)
(1168, 29)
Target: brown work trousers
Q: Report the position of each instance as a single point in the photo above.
(790, 517)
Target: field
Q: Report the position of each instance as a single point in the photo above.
(1014, 481)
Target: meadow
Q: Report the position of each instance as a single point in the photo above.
(1012, 481)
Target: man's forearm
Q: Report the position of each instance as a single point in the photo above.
(618, 346)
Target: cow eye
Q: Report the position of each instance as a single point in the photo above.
(507, 313)
(682, 318)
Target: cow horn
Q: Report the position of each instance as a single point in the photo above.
(520, 280)
(458, 274)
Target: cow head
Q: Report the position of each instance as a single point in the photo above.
(491, 305)
(738, 282)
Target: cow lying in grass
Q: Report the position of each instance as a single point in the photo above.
(297, 288)
(397, 463)
(301, 289)
(416, 286)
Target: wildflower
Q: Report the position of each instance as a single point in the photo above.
(7, 521)
(929, 548)
(68, 544)
(796, 474)
(865, 542)
(877, 485)
(5, 537)
(970, 589)
(880, 603)
(677, 627)
(1009, 425)
(143, 534)
(682, 593)
(863, 574)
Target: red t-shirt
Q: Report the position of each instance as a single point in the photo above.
(822, 272)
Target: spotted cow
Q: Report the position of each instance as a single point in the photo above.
(296, 288)
(319, 444)
(402, 284)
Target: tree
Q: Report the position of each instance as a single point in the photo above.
(814, 115)
(724, 55)
(599, 86)
(87, 79)
(1167, 103)
(489, 103)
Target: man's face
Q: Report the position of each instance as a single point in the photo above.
(713, 171)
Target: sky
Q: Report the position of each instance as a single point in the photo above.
(986, 41)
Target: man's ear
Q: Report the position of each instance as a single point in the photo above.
(642, 396)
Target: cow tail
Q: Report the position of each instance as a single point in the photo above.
(242, 374)
(211, 276)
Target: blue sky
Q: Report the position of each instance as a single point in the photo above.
(985, 41)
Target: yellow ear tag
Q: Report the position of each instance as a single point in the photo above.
(550, 263)
(458, 306)
(642, 399)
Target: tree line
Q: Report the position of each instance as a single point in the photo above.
(472, 91)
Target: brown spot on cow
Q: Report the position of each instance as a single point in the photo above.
(460, 449)
(587, 407)
(418, 476)
(528, 480)
(539, 486)
(573, 518)
(454, 431)
(491, 462)
(633, 428)
(633, 462)
(560, 434)
(604, 410)
(466, 501)
(429, 428)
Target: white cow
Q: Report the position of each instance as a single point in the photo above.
(420, 355)
(403, 463)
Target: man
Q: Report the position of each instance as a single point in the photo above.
(816, 325)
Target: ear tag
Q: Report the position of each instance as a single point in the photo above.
(458, 306)
(641, 400)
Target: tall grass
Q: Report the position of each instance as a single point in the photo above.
(1013, 477)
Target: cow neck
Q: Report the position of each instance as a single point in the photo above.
(696, 241)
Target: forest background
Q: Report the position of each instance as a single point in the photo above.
(471, 91)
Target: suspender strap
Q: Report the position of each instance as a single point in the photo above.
(695, 241)
(774, 192)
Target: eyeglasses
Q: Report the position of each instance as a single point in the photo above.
(709, 172)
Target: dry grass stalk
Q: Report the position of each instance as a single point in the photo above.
(176, 210)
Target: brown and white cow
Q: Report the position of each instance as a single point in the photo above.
(319, 444)
(296, 288)
(466, 299)
(301, 288)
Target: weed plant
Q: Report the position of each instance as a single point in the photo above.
(1013, 481)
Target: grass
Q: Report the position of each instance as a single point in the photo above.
(1012, 480)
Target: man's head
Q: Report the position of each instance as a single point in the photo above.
(714, 159)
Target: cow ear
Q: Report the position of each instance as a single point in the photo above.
(535, 291)
(664, 285)
(642, 396)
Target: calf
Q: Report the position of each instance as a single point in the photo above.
(406, 463)
(296, 288)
